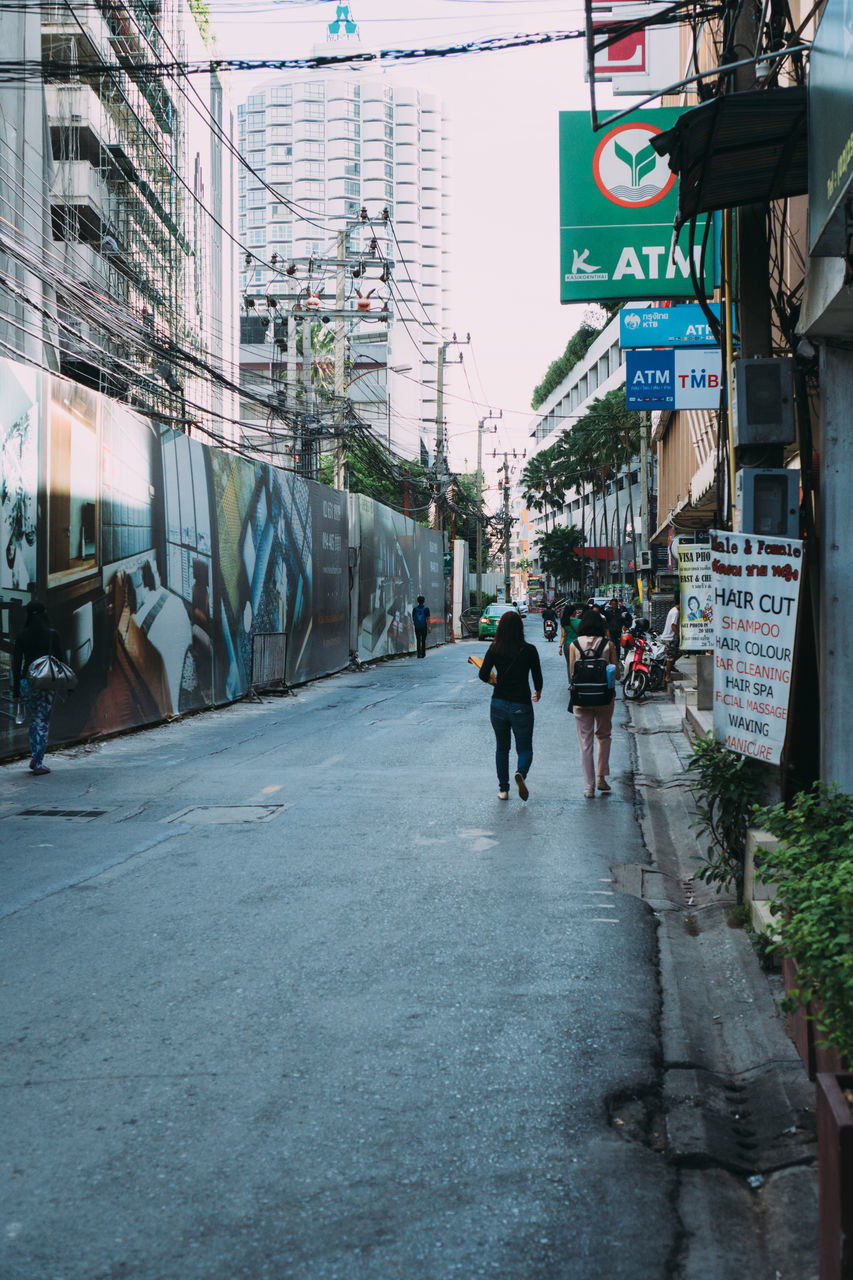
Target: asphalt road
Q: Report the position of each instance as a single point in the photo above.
(287, 992)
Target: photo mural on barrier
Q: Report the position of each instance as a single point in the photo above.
(158, 558)
(400, 560)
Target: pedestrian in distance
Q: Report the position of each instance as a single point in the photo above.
(515, 663)
(593, 648)
(420, 617)
(36, 639)
(570, 621)
(613, 620)
(671, 636)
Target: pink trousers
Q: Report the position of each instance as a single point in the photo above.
(594, 722)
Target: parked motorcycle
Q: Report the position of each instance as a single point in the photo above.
(656, 659)
(636, 681)
(550, 628)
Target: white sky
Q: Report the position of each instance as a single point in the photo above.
(503, 110)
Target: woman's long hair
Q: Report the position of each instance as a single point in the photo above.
(592, 624)
(509, 637)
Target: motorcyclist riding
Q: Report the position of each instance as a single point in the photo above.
(549, 614)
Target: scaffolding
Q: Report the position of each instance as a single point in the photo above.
(118, 151)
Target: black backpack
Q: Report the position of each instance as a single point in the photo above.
(589, 678)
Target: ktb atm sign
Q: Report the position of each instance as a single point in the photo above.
(673, 379)
(618, 202)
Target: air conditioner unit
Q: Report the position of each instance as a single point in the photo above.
(762, 401)
(767, 502)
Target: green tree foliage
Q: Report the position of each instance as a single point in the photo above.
(559, 553)
(543, 489)
(576, 349)
(201, 12)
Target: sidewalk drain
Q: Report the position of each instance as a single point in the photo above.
(216, 814)
(61, 813)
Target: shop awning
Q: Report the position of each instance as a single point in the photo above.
(744, 148)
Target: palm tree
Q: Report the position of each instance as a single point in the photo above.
(542, 490)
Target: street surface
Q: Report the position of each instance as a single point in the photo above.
(287, 992)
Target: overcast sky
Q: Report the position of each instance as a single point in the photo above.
(503, 110)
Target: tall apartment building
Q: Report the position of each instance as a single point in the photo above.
(119, 183)
(328, 148)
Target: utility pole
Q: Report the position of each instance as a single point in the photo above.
(440, 458)
(645, 510)
(340, 350)
(507, 578)
(480, 426)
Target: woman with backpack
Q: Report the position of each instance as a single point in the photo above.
(592, 697)
(35, 640)
(514, 662)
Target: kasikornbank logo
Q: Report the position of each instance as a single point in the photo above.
(628, 171)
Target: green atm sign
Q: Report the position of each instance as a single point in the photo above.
(618, 202)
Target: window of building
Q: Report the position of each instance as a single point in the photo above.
(257, 158)
(257, 197)
(242, 204)
(280, 151)
(314, 89)
(352, 189)
(279, 115)
(352, 169)
(351, 208)
(257, 236)
(282, 93)
(257, 120)
(280, 234)
(314, 129)
(351, 129)
(389, 111)
(313, 169)
(283, 189)
(313, 149)
(256, 100)
(312, 111)
(279, 133)
(389, 190)
(279, 212)
(351, 149)
(242, 225)
(313, 206)
(278, 173)
(389, 170)
(241, 110)
(389, 150)
(356, 90)
(257, 217)
(312, 189)
(389, 132)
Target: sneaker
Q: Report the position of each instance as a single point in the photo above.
(589, 792)
(503, 795)
(522, 786)
(603, 784)
(39, 769)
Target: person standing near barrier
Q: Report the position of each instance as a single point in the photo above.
(515, 663)
(37, 639)
(420, 617)
(592, 721)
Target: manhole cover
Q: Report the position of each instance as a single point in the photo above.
(208, 815)
(61, 813)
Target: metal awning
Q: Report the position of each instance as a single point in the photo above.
(744, 148)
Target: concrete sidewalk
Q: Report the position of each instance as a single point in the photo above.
(738, 1106)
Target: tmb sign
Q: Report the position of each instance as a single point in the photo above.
(756, 584)
(673, 379)
(618, 202)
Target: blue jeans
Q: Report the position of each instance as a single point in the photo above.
(39, 705)
(511, 718)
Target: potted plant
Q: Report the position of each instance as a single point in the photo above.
(813, 868)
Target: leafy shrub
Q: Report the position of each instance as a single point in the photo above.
(813, 867)
(725, 787)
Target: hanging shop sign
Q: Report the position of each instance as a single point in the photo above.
(697, 597)
(830, 115)
(684, 325)
(756, 584)
(618, 202)
(639, 62)
(673, 379)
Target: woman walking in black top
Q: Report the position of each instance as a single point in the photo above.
(514, 663)
(36, 639)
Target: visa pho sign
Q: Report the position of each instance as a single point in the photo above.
(617, 207)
